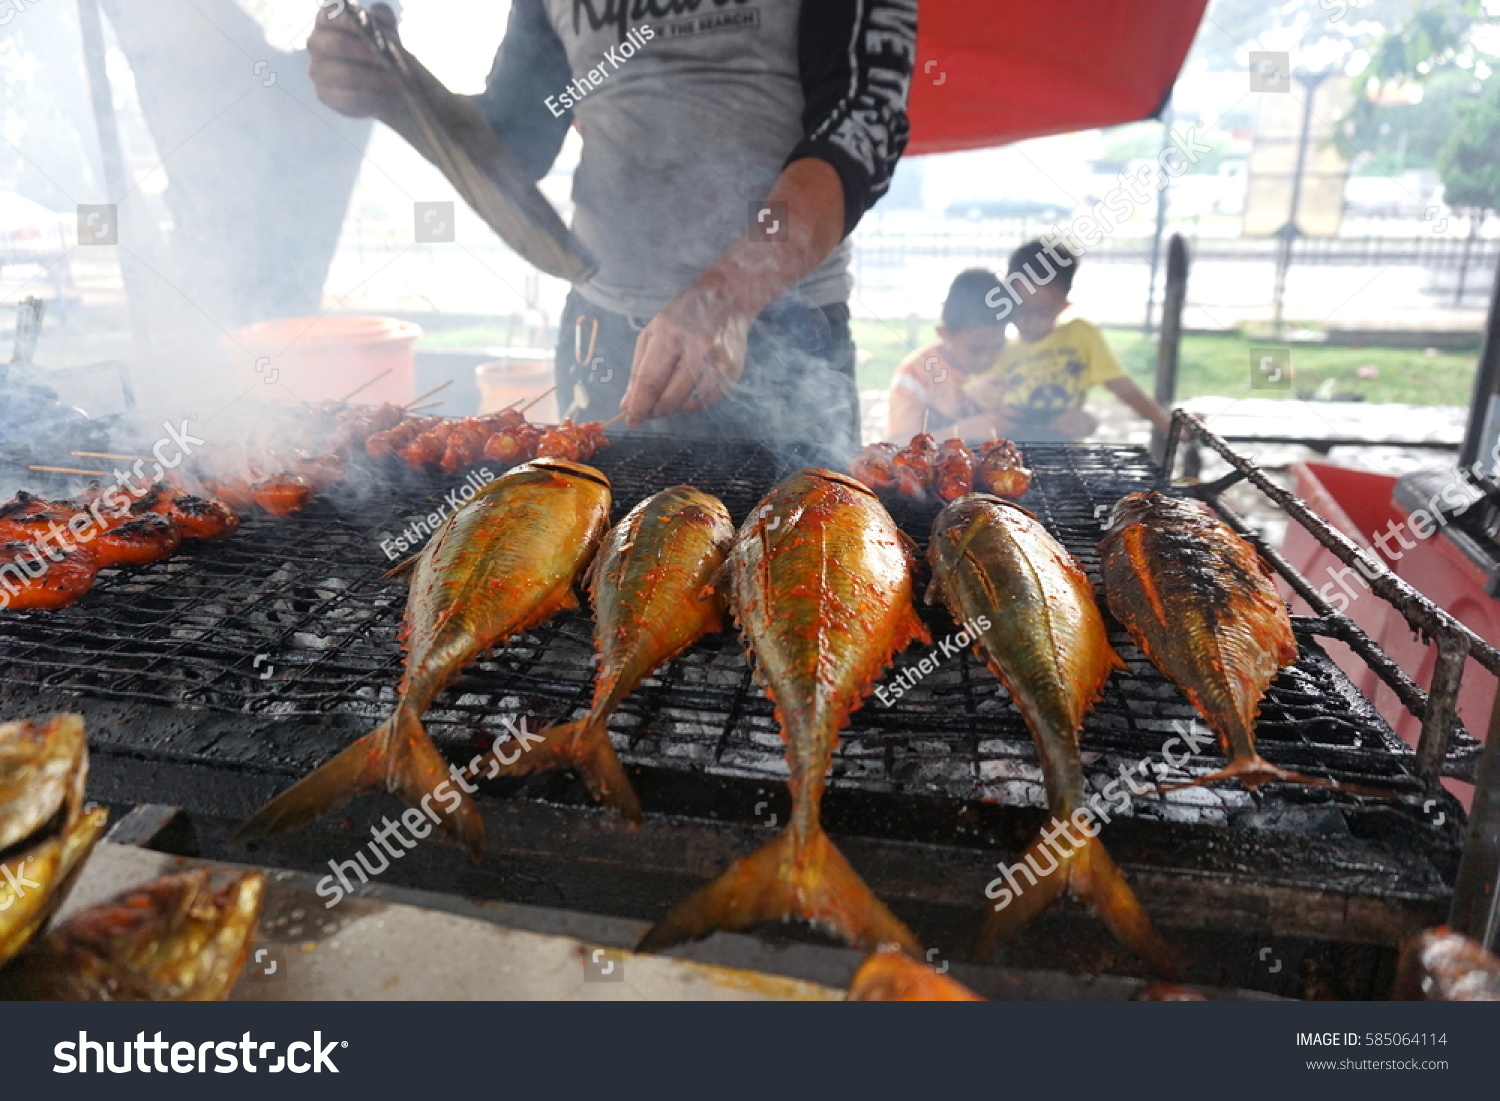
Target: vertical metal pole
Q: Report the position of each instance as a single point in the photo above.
(1476, 904)
(1289, 232)
(1169, 346)
(1161, 221)
(1486, 381)
(1475, 224)
(1442, 705)
(111, 156)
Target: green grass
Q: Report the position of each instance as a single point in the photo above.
(1222, 365)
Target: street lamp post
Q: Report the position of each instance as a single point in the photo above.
(1289, 232)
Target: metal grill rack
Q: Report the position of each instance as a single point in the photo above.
(283, 643)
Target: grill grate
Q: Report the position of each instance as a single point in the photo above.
(292, 620)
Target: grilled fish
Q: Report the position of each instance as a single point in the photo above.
(1198, 601)
(45, 832)
(890, 975)
(1039, 630)
(172, 939)
(653, 596)
(820, 585)
(503, 563)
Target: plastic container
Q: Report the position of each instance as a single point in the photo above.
(518, 375)
(320, 358)
(1360, 504)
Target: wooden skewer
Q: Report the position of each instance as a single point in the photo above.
(422, 408)
(108, 455)
(367, 383)
(540, 397)
(616, 419)
(69, 470)
(924, 420)
(424, 397)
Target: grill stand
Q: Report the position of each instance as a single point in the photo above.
(1445, 747)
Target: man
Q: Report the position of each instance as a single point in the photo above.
(727, 154)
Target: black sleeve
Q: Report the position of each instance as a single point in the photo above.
(530, 66)
(855, 58)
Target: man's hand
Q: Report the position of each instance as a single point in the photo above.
(346, 73)
(691, 353)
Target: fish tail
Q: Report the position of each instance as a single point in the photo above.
(1095, 880)
(796, 875)
(583, 745)
(397, 755)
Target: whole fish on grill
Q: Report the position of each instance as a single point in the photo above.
(1040, 632)
(502, 564)
(45, 830)
(172, 939)
(1199, 602)
(890, 975)
(653, 597)
(820, 585)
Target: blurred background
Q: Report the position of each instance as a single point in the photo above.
(236, 198)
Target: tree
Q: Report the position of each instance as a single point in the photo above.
(1469, 162)
(1438, 49)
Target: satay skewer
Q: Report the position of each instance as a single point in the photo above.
(366, 384)
(69, 470)
(616, 419)
(424, 397)
(108, 455)
(540, 397)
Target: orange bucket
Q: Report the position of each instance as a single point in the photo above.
(322, 358)
(519, 375)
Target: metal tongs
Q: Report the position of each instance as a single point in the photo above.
(477, 163)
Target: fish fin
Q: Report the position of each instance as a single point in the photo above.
(718, 581)
(909, 546)
(401, 569)
(788, 877)
(398, 755)
(583, 745)
(591, 573)
(1095, 880)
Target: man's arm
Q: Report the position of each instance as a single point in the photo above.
(531, 66)
(855, 59)
(1132, 395)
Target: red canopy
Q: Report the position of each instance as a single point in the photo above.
(991, 72)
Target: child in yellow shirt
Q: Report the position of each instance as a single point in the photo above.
(1036, 389)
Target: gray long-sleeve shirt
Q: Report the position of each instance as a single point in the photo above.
(689, 110)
